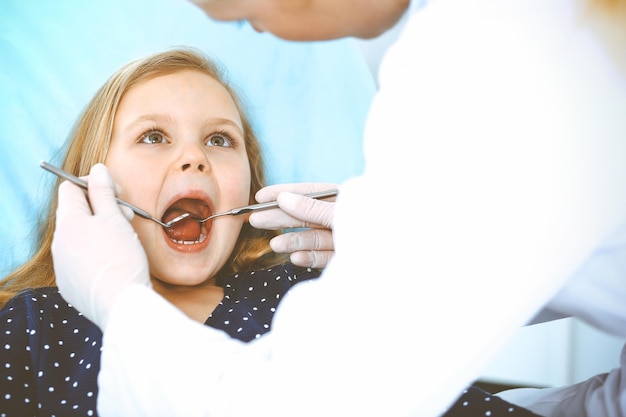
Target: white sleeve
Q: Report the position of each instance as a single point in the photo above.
(157, 362)
(600, 396)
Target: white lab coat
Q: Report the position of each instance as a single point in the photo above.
(494, 169)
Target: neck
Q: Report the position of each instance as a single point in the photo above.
(197, 302)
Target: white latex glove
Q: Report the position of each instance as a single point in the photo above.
(95, 251)
(313, 247)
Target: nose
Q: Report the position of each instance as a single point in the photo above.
(193, 159)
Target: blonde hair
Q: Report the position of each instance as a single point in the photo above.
(89, 142)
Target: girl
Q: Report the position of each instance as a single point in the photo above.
(175, 138)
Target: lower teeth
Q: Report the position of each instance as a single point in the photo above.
(201, 239)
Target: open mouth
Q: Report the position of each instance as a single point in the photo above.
(187, 231)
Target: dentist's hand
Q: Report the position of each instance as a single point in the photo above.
(313, 247)
(95, 251)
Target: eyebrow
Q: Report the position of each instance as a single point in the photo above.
(221, 121)
(162, 118)
(165, 118)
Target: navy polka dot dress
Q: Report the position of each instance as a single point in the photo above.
(50, 353)
(476, 402)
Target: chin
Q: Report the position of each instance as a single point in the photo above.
(185, 278)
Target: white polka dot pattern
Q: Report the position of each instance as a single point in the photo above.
(50, 357)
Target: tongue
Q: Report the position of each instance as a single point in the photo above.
(186, 230)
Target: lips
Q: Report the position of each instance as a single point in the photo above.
(187, 231)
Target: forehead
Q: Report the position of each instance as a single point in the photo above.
(185, 88)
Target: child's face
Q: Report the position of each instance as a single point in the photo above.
(178, 146)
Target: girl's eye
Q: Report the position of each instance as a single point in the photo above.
(153, 137)
(220, 140)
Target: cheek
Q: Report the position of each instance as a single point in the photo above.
(118, 170)
(136, 187)
(143, 232)
(237, 184)
(137, 190)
